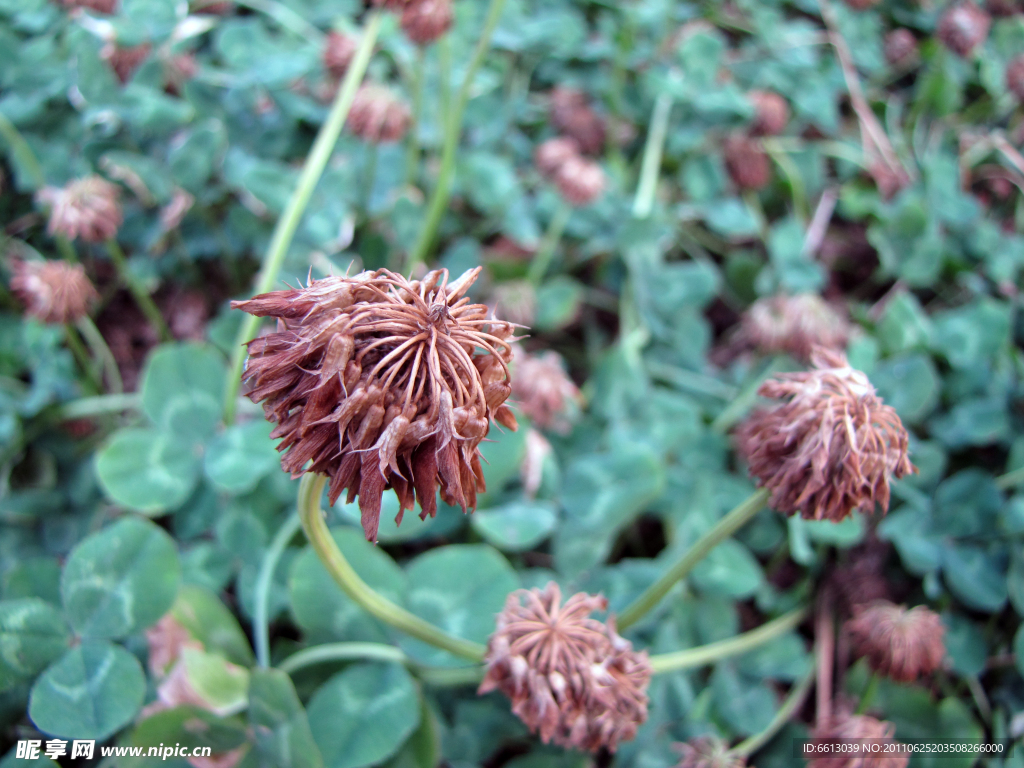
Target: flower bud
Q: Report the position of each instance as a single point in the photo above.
(963, 27)
(124, 60)
(377, 116)
(543, 391)
(900, 46)
(571, 115)
(794, 325)
(551, 155)
(86, 208)
(746, 162)
(53, 291)
(772, 113)
(580, 181)
(339, 50)
(423, 21)
(901, 644)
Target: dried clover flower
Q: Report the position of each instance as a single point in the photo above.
(86, 208)
(794, 324)
(573, 116)
(377, 116)
(516, 300)
(1015, 76)
(570, 678)
(861, 579)
(831, 447)
(900, 45)
(746, 162)
(543, 391)
(423, 21)
(531, 471)
(581, 181)
(963, 27)
(339, 50)
(552, 154)
(52, 291)
(858, 727)
(166, 640)
(771, 113)
(124, 60)
(707, 752)
(901, 644)
(380, 382)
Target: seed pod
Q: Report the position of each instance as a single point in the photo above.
(377, 116)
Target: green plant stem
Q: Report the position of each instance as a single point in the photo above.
(67, 250)
(101, 352)
(549, 245)
(690, 381)
(1010, 479)
(84, 407)
(412, 152)
(868, 695)
(722, 530)
(738, 408)
(21, 151)
(369, 175)
(139, 293)
(81, 356)
(286, 226)
(452, 132)
(796, 184)
(789, 707)
(651, 164)
(723, 649)
(261, 628)
(437, 676)
(319, 535)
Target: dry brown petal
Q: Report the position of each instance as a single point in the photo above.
(581, 181)
(963, 27)
(377, 116)
(543, 391)
(423, 21)
(552, 154)
(901, 644)
(166, 639)
(793, 324)
(124, 60)
(831, 447)
(707, 752)
(378, 382)
(53, 291)
(86, 208)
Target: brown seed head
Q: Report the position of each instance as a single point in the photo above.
(380, 382)
(552, 154)
(87, 208)
(900, 46)
(573, 116)
(570, 678)
(1015, 76)
(746, 162)
(963, 27)
(772, 113)
(580, 181)
(124, 60)
(901, 644)
(794, 324)
(52, 291)
(544, 392)
(831, 447)
(339, 50)
(707, 752)
(377, 116)
(858, 727)
(423, 21)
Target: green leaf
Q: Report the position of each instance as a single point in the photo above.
(32, 634)
(970, 336)
(147, 470)
(516, 526)
(910, 384)
(745, 705)
(363, 715)
(222, 686)
(183, 389)
(121, 579)
(240, 456)
(210, 622)
(729, 569)
(33, 577)
(965, 644)
(1018, 648)
(558, 303)
(501, 460)
(459, 588)
(904, 324)
(967, 503)
(93, 691)
(784, 658)
(190, 725)
(977, 421)
(283, 738)
(975, 576)
(323, 610)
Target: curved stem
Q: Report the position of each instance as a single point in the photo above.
(21, 151)
(1010, 479)
(81, 356)
(723, 649)
(722, 530)
(261, 630)
(792, 703)
(310, 490)
(436, 676)
(542, 261)
(101, 352)
(95, 406)
(651, 164)
(313, 169)
(142, 298)
(452, 132)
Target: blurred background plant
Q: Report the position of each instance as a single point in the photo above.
(679, 199)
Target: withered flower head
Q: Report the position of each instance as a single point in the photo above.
(900, 45)
(87, 208)
(124, 60)
(746, 162)
(381, 382)
(1015, 76)
(831, 447)
(573, 116)
(901, 644)
(581, 181)
(794, 324)
(339, 50)
(544, 392)
(858, 727)
(707, 752)
(377, 115)
(570, 678)
(516, 301)
(52, 291)
(963, 27)
(772, 113)
(423, 21)
(552, 154)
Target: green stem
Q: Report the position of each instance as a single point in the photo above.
(1010, 479)
(796, 184)
(690, 381)
(452, 131)
(323, 654)
(337, 566)
(138, 292)
(723, 649)
(313, 169)
(789, 707)
(22, 152)
(369, 175)
(868, 695)
(101, 352)
(81, 356)
(542, 261)
(99, 405)
(260, 621)
(67, 250)
(736, 410)
(651, 164)
(722, 530)
(412, 152)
